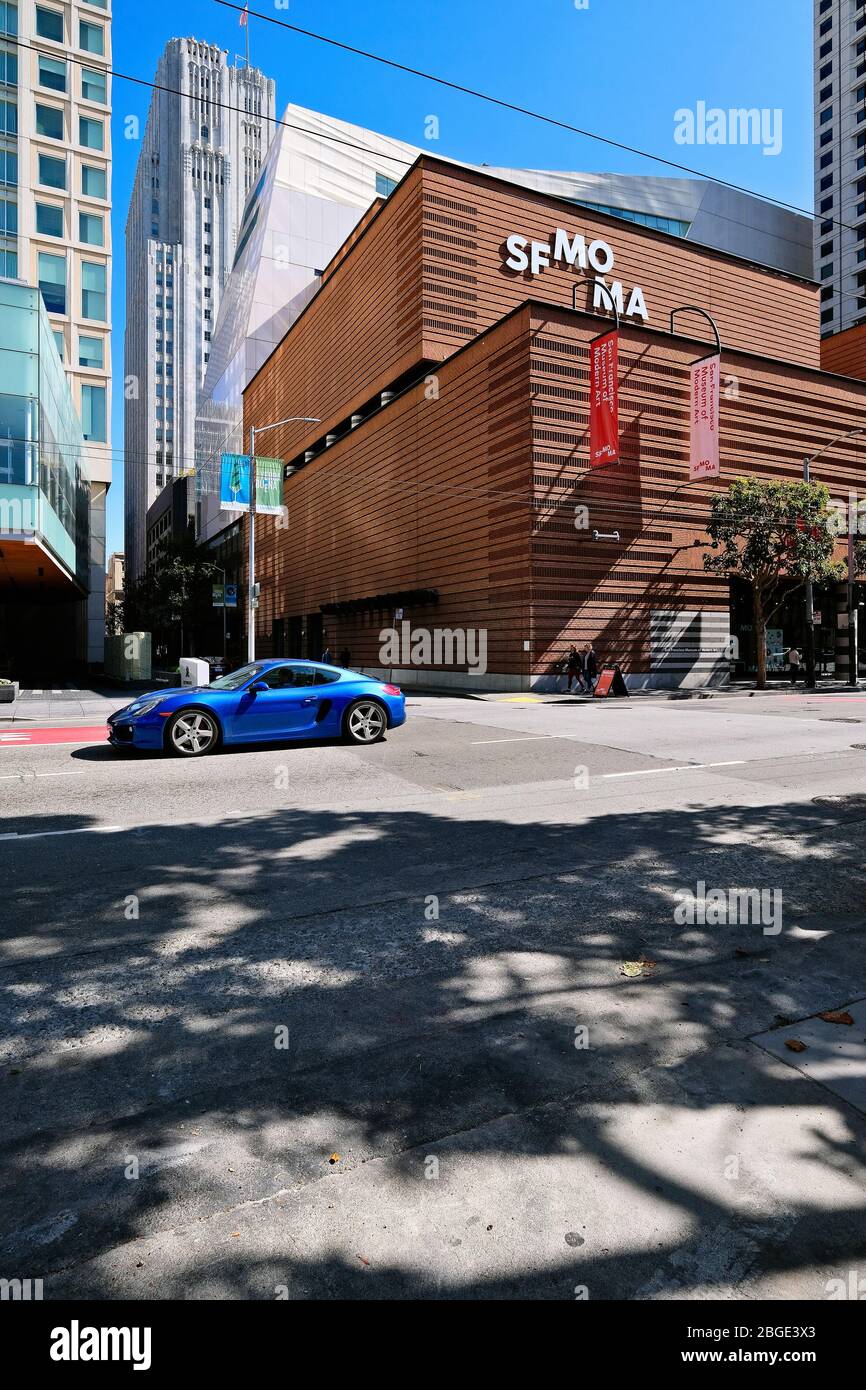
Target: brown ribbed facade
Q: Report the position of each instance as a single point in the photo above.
(466, 500)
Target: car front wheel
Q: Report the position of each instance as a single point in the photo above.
(365, 722)
(192, 733)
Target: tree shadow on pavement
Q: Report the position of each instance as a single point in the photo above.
(197, 1018)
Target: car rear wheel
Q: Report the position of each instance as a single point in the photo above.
(192, 733)
(365, 722)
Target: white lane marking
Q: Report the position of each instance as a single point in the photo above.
(80, 830)
(685, 767)
(525, 738)
(30, 776)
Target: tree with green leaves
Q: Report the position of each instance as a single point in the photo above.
(174, 596)
(772, 535)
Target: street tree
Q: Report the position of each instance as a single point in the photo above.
(775, 536)
(173, 596)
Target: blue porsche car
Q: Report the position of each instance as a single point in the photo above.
(266, 702)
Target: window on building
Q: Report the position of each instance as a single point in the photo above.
(8, 68)
(57, 335)
(827, 292)
(52, 73)
(825, 27)
(826, 226)
(94, 85)
(825, 71)
(93, 290)
(9, 263)
(94, 181)
(827, 248)
(826, 138)
(826, 182)
(49, 220)
(384, 185)
(49, 121)
(8, 117)
(93, 412)
(826, 92)
(826, 115)
(91, 351)
(51, 270)
(827, 316)
(91, 229)
(825, 204)
(826, 160)
(825, 49)
(8, 216)
(91, 133)
(9, 167)
(91, 37)
(49, 24)
(827, 271)
(52, 171)
(8, 18)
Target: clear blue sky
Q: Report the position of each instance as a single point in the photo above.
(619, 67)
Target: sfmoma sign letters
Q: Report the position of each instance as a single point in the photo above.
(536, 256)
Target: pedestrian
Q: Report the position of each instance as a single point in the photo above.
(793, 664)
(326, 656)
(346, 659)
(590, 667)
(573, 668)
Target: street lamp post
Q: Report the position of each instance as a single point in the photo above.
(255, 430)
(852, 609)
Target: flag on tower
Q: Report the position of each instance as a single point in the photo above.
(244, 15)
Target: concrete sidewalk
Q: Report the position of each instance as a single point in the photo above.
(67, 704)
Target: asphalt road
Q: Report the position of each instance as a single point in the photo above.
(319, 1021)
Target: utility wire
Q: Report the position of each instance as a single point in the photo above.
(401, 159)
(508, 105)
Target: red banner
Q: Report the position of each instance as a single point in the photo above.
(604, 400)
(704, 453)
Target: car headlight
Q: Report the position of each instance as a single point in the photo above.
(137, 710)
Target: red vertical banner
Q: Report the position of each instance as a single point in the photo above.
(604, 400)
(704, 439)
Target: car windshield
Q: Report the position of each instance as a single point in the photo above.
(237, 678)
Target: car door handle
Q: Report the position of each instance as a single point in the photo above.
(311, 700)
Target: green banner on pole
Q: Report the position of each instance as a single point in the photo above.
(269, 486)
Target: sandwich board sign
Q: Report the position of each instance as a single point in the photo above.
(610, 682)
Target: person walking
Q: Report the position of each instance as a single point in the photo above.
(793, 664)
(590, 667)
(573, 668)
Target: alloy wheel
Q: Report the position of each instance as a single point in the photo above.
(366, 722)
(193, 733)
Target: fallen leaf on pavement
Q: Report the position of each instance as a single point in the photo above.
(636, 968)
(335, 1158)
(836, 1016)
(795, 1045)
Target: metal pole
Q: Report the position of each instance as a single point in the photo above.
(853, 661)
(810, 613)
(251, 612)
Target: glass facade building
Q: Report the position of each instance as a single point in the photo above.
(44, 484)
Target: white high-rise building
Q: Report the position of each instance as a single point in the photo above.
(840, 162)
(207, 133)
(55, 219)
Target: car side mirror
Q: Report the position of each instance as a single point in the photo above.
(258, 686)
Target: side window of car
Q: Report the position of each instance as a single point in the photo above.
(327, 677)
(280, 677)
(302, 676)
